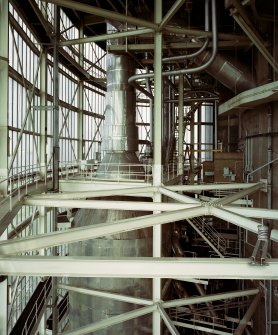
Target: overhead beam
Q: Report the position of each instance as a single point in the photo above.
(241, 18)
(105, 37)
(142, 191)
(253, 212)
(236, 219)
(209, 298)
(222, 45)
(98, 230)
(179, 197)
(233, 197)
(109, 295)
(210, 187)
(141, 267)
(108, 204)
(172, 11)
(111, 15)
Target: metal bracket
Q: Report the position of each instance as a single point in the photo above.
(259, 258)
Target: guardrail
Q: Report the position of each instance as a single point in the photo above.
(22, 178)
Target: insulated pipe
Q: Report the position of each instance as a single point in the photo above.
(198, 52)
(199, 68)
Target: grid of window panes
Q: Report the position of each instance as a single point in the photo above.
(24, 117)
(143, 121)
(203, 142)
(93, 115)
(27, 119)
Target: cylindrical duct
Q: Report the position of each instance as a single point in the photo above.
(120, 133)
(226, 73)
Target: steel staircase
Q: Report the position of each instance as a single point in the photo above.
(211, 234)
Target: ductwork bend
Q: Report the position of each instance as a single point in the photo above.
(132, 80)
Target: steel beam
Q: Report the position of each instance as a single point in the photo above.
(108, 204)
(233, 197)
(98, 230)
(105, 37)
(222, 45)
(248, 315)
(9, 207)
(141, 267)
(157, 157)
(181, 127)
(205, 238)
(168, 322)
(201, 328)
(114, 320)
(109, 295)
(210, 187)
(241, 18)
(172, 11)
(179, 197)
(253, 212)
(4, 96)
(107, 14)
(131, 191)
(239, 221)
(209, 298)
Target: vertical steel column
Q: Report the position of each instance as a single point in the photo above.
(229, 134)
(181, 126)
(157, 157)
(3, 297)
(80, 153)
(56, 152)
(192, 138)
(43, 114)
(56, 149)
(4, 75)
(215, 127)
(42, 229)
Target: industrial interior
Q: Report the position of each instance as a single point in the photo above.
(138, 170)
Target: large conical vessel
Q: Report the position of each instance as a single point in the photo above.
(120, 162)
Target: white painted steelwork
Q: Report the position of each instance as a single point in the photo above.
(97, 230)
(148, 267)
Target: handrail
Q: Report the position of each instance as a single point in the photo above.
(215, 237)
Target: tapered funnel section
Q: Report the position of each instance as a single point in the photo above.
(120, 134)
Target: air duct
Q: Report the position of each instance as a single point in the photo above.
(120, 144)
(231, 76)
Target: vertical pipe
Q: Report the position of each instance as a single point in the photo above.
(181, 126)
(157, 159)
(56, 149)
